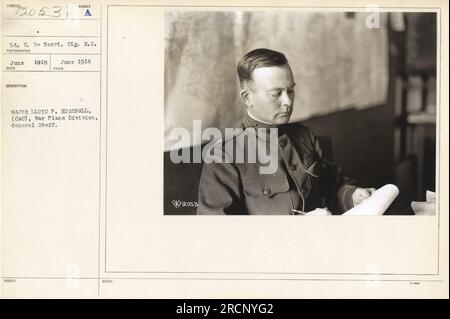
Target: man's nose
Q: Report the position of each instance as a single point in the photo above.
(286, 100)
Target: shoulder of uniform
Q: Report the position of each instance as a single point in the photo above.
(228, 136)
(233, 133)
(301, 130)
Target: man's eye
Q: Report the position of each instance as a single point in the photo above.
(277, 94)
(291, 91)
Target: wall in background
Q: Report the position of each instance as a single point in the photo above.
(337, 60)
(362, 142)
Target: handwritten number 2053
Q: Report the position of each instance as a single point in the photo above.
(53, 12)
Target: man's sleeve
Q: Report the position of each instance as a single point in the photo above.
(220, 190)
(336, 187)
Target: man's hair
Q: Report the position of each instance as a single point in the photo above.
(258, 58)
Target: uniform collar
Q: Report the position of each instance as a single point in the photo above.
(250, 121)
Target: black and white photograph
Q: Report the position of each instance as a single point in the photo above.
(138, 135)
(308, 113)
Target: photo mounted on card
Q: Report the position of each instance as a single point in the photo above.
(307, 113)
(138, 135)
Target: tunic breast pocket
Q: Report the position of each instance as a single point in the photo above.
(267, 195)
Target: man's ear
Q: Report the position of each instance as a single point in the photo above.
(245, 96)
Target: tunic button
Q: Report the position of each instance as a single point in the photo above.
(266, 191)
(282, 143)
(293, 167)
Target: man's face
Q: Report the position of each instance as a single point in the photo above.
(271, 95)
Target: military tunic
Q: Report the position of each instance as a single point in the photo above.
(302, 182)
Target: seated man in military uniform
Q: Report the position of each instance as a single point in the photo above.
(303, 182)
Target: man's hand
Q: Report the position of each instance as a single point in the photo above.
(360, 194)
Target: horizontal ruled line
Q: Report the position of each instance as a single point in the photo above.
(35, 71)
(31, 53)
(50, 19)
(224, 279)
(51, 36)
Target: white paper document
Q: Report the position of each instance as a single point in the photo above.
(377, 203)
